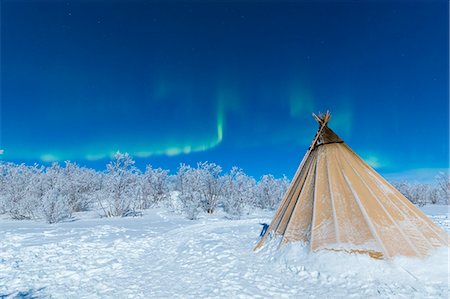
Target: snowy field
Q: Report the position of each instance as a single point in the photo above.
(163, 255)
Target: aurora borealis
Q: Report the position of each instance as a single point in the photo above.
(228, 82)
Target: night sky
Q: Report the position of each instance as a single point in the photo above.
(233, 83)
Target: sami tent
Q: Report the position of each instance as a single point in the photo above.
(337, 202)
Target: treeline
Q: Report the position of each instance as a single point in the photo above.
(422, 194)
(54, 193)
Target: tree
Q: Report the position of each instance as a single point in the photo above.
(418, 194)
(188, 185)
(270, 191)
(120, 186)
(53, 194)
(81, 184)
(210, 185)
(443, 181)
(155, 187)
(237, 191)
(3, 201)
(19, 181)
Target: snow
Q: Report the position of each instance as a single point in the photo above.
(163, 255)
(437, 211)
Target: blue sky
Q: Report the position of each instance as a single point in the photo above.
(232, 83)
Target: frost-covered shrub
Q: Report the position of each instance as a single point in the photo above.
(443, 183)
(20, 183)
(269, 192)
(188, 186)
(237, 192)
(55, 206)
(53, 190)
(199, 188)
(154, 186)
(120, 190)
(404, 189)
(420, 194)
(210, 185)
(81, 184)
(64, 190)
(3, 200)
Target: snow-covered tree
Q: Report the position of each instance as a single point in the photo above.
(188, 186)
(53, 192)
(155, 187)
(19, 182)
(210, 185)
(404, 188)
(120, 190)
(419, 194)
(269, 191)
(443, 182)
(64, 190)
(3, 209)
(237, 191)
(81, 185)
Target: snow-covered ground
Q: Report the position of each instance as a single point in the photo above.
(163, 255)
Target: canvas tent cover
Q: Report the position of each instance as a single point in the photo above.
(337, 202)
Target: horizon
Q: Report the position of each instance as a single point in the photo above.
(229, 83)
(416, 176)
